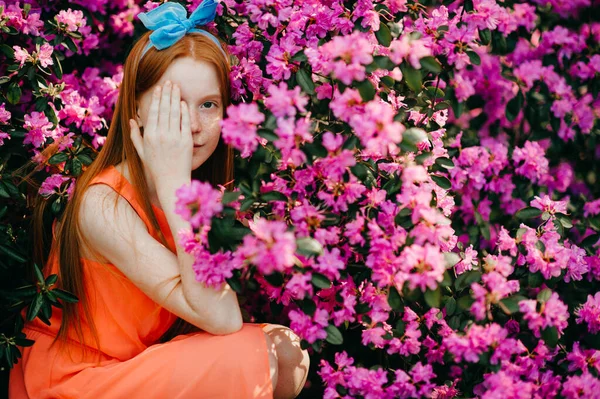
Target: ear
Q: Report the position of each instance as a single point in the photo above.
(137, 116)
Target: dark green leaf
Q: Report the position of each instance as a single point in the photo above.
(366, 90)
(466, 279)
(13, 254)
(450, 306)
(413, 78)
(230, 196)
(528, 213)
(305, 81)
(334, 336)
(512, 303)
(67, 296)
(485, 36)
(57, 158)
(13, 94)
(445, 162)
(320, 281)
(474, 57)
(442, 182)
(550, 336)
(433, 297)
(514, 106)
(274, 196)
(431, 64)
(383, 35)
(394, 299)
(35, 306)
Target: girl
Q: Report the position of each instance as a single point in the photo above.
(114, 248)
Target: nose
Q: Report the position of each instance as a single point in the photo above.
(195, 124)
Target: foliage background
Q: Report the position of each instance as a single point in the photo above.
(497, 102)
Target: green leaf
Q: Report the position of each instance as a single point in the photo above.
(51, 280)
(450, 306)
(35, 306)
(514, 106)
(274, 196)
(320, 281)
(68, 297)
(394, 299)
(366, 90)
(13, 254)
(3, 190)
(305, 81)
(4, 79)
(433, 298)
(58, 71)
(431, 64)
(544, 295)
(58, 158)
(445, 162)
(485, 36)
(76, 167)
(230, 196)
(466, 279)
(7, 51)
(308, 246)
(474, 57)
(275, 279)
(413, 78)
(511, 304)
(564, 220)
(13, 94)
(334, 336)
(383, 35)
(414, 135)
(452, 258)
(550, 336)
(528, 213)
(442, 182)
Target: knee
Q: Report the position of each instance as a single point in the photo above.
(273, 360)
(294, 362)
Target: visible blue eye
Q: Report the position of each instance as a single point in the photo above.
(210, 102)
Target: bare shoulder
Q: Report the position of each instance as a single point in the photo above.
(106, 222)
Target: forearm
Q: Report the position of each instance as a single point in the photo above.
(200, 297)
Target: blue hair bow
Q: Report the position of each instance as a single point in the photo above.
(170, 23)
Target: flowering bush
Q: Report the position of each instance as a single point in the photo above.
(416, 194)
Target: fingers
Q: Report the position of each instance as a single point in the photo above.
(186, 131)
(175, 119)
(165, 109)
(153, 111)
(136, 138)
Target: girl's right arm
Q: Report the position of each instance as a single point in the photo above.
(120, 236)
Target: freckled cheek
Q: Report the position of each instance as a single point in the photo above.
(210, 124)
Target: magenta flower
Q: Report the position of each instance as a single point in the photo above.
(589, 313)
(240, 126)
(548, 205)
(197, 203)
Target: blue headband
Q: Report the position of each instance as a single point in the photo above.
(170, 23)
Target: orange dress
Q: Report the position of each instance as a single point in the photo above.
(130, 363)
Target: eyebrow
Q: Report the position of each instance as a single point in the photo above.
(211, 95)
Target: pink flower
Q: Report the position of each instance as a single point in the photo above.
(547, 205)
(271, 247)
(21, 55)
(554, 313)
(198, 202)
(38, 129)
(467, 263)
(309, 328)
(53, 183)
(70, 20)
(589, 313)
(44, 55)
(240, 126)
(422, 266)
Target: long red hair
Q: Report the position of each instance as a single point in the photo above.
(139, 75)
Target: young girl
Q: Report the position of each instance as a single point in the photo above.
(114, 248)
